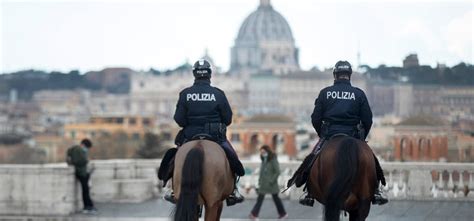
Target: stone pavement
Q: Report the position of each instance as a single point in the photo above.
(158, 210)
(395, 210)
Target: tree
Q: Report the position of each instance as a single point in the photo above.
(153, 146)
(114, 146)
(27, 155)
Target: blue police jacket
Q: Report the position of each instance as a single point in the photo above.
(343, 107)
(201, 104)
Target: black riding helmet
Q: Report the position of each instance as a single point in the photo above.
(342, 67)
(202, 69)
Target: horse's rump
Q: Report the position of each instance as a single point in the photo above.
(217, 179)
(344, 174)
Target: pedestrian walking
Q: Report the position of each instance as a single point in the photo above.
(268, 182)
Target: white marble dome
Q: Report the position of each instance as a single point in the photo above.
(264, 43)
(264, 24)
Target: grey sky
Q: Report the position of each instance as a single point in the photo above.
(90, 35)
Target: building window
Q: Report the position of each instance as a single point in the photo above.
(235, 137)
(135, 136)
(105, 134)
(146, 122)
(132, 121)
(73, 134)
(166, 136)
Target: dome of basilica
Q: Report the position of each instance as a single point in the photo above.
(264, 44)
(264, 24)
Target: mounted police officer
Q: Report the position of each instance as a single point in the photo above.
(204, 113)
(339, 109)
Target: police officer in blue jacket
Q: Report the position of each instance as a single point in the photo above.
(202, 104)
(203, 111)
(340, 109)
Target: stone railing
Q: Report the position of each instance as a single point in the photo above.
(430, 181)
(51, 189)
(124, 180)
(37, 189)
(409, 181)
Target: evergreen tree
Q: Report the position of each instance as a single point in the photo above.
(153, 146)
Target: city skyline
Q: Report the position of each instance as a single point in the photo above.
(91, 35)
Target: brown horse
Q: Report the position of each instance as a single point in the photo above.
(202, 176)
(343, 178)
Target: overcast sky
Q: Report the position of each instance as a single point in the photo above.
(90, 35)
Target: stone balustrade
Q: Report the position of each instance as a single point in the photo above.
(37, 189)
(51, 189)
(430, 181)
(123, 180)
(405, 181)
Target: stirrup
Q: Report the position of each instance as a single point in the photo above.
(170, 198)
(234, 198)
(307, 201)
(379, 199)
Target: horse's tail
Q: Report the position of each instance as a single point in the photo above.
(346, 164)
(191, 180)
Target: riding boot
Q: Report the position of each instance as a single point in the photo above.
(234, 162)
(301, 174)
(166, 163)
(379, 199)
(235, 197)
(170, 197)
(307, 201)
(379, 171)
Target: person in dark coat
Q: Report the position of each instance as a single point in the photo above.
(268, 182)
(77, 156)
(203, 112)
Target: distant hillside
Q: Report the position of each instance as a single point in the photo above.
(460, 75)
(113, 80)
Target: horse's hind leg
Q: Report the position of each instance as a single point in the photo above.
(219, 211)
(354, 215)
(213, 212)
(363, 211)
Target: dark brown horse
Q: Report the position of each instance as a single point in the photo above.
(202, 176)
(343, 178)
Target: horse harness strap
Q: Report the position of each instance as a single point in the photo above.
(314, 155)
(202, 136)
(319, 146)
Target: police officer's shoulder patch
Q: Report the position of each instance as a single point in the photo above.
(323, 91)
(327, 88)
(359, 90)
(185, 90)
(219, 90)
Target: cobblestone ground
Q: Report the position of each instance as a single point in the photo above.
(395, 210)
